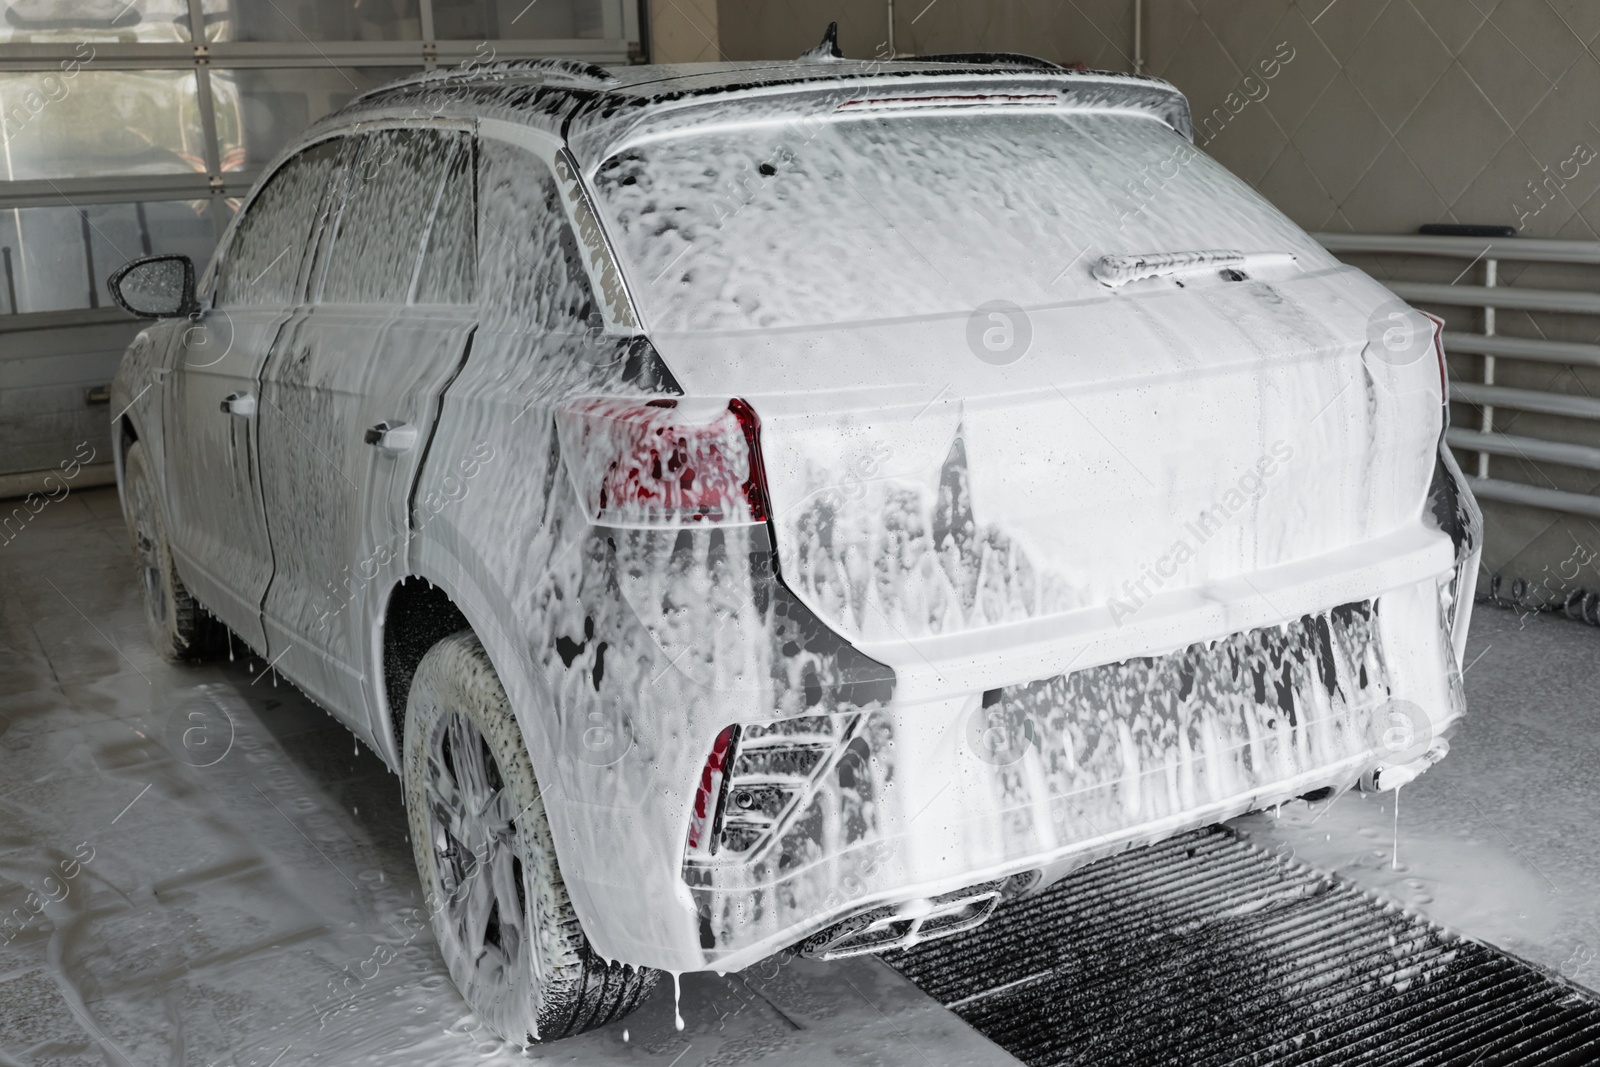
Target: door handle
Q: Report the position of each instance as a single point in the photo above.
(391, 437)
(240, 404)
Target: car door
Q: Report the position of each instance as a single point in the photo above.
(218, 527)
(350, 396)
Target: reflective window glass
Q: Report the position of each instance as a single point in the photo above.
(259, 111)
(300, 20)
(381, 214)
(450, 260)
(71, 21)
(262, 265)
(58, 258)
(529, 261)
(517, 20)
(85, 123)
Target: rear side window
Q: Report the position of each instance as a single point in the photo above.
(530, 260)
(269, 245)
(384, 219)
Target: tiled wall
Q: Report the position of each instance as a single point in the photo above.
(683, 31)
(1398, 112)
(1394, 113)
(1372, 116)
(1097, 33)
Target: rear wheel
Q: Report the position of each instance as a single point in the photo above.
(500, 911)
(179, 627)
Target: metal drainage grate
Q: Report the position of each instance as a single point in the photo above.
(1207, 950)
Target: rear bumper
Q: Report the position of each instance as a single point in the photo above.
(961, 764)
(922, 798)
(926, 667)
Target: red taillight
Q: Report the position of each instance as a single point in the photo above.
(703, 817)
(671, 461)
(1438, 348)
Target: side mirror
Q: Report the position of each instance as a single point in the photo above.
(156, 287)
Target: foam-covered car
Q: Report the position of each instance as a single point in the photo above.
(777, 505)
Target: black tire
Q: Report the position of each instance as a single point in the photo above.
(180, 629)
(533, 978)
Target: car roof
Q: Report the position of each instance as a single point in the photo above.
(593, 107)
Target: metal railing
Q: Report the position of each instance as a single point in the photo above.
(1485, 394)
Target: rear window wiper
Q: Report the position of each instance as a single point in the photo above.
(1116, 271)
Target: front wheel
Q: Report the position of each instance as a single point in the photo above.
(500, 911)
(179, 627)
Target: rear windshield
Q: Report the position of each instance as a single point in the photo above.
(909, 215)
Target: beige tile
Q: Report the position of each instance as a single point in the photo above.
(1500, 196)
(964, 16)
(1562, 123)
(1106, 40)
(1340, 137)
(1165, 37)
(1250, 144)
(1581, 17)
(745, 31)
(783, 30)
(1454, 21)
(1578, 228)
(1205, 74)
(978, 25)
(1342, 24)
(1243, 27)
(1114, 17)
(1590, 210)
(683, 31)
(1393, 197)
(863, 30)
(1453, 134)
(1295, 191)
(1397, 63)
(1541, 34)
(925, 29)
(1304, 77)
(1507, 77)
(1338, 223)
(965, 26)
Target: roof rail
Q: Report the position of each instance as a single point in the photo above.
(572, 71)
(999, 59)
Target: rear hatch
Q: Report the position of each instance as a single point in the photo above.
(970, 439)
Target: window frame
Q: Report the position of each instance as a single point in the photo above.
(469, 145)
(327, 237)
(225, 247)
(618, 309)
(210, 279)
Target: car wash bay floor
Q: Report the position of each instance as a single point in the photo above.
(258, 909)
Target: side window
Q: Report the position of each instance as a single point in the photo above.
(263, 262)
(450, 260)
(529, 259)
(385, 204)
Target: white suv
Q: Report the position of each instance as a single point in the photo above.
(800, 504)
